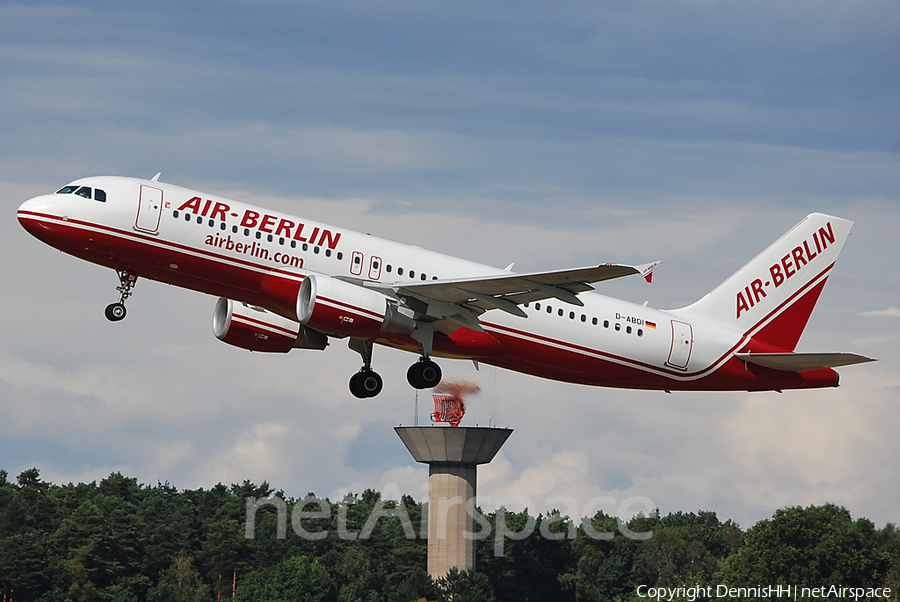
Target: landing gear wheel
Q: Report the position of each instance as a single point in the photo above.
(366, 383)
(115, 312)
(424, 374)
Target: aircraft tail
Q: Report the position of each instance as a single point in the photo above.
(772, 297)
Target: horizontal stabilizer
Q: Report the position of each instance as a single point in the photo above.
(802, 362)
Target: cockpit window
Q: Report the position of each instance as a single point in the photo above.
(83, 191)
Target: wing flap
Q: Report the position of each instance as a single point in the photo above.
(802, 362)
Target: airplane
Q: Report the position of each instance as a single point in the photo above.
(287, 282)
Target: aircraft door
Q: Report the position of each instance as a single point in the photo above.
(149, 209)
(682, 343)
(375, 268)
(356, 263)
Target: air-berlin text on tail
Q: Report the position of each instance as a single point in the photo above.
(789, 265)
(265, 222)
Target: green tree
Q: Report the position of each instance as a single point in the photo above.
(30, 565)
(604, 569)
(415, 585)
(297, 579)
(814, 546)
(104, 550)
(669, 559)
(180, 582)
(465, 586)
(168, 527)
(355, 571)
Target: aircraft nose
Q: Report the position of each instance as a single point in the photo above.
(33, 205)
(29, 214)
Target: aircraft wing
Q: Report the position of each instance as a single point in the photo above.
(802, 362)
(463, 299)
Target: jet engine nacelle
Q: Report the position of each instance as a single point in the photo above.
(343, 309)
(256, 329)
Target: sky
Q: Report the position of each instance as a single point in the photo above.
(547, 134)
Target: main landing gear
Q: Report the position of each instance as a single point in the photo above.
(424, 374)
(116, 311)
(366, 382)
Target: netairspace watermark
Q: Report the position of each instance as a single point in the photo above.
(763, 592)
(315, 508)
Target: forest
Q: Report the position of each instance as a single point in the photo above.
(119, 540)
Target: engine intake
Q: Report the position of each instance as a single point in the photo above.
(255, 329)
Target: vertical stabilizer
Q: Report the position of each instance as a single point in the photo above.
(772, 297)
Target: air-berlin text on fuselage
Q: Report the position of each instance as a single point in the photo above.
(270, 224)
(779, 272)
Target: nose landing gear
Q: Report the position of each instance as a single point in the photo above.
(116, 311)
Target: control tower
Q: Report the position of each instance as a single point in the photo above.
(452, 455)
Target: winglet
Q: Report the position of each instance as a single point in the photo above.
(646, 270)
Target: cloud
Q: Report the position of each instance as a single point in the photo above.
(890, 312)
